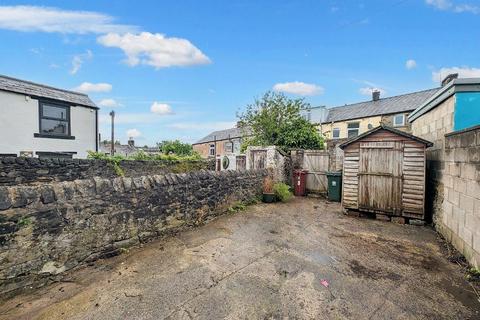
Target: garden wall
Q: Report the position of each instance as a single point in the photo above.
(19, 170)
(48, 229)
(460, 219)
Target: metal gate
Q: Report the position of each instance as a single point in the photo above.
(316, 162)
(241, 162)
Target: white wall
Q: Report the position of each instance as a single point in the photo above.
(19, 121)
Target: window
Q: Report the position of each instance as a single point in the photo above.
(352, 129)
(54, 120)
(336, 133)
(212, 150)
(228, 147)
(399, 120)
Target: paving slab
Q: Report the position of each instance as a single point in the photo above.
(272, 261)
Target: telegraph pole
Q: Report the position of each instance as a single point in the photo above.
(112, 150)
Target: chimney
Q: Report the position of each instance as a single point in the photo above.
(375, 95)
(449, 78)
(131, 142)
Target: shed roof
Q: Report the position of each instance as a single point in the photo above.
(395, 104)
(224, 135)
(40, 90)
(387, 128)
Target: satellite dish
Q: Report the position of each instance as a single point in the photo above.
(225, 162)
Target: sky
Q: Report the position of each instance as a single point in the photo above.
(181, 69)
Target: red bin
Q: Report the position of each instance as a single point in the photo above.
(300, 182)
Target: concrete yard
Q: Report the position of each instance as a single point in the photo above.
(267, 262)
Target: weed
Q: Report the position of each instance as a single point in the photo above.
(23, 222)
(282, 191)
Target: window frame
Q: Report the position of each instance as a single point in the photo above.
(333, 134)
(66, 107)
(211, 149)
(403, 120)
(230, 149)
(353, 129)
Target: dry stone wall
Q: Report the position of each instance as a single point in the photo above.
(48, 229)
(19, 170)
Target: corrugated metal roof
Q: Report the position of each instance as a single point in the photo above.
(401, 103)
(224, 135)
(40, 90)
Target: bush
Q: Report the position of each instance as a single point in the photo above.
(282, 191)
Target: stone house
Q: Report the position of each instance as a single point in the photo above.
(220, 143)
(41, 121)
(351, 120)
(450, 119)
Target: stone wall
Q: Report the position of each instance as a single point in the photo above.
(274, 159)
(460, 221)
(16, 171)
(48, 229)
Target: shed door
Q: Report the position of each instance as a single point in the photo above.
(380, 176)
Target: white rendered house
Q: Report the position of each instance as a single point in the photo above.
(42, 121)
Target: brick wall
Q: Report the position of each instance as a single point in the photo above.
(16, 171)
(460, 221)
(48, 229)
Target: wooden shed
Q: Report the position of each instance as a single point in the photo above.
(384, 172)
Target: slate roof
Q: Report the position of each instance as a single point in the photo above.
(384, 127)
(43, 91)
(395, 104)
(223, 135)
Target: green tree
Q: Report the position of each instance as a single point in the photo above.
(175, 147)
(275, 119)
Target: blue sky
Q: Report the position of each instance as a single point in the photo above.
(180, 69)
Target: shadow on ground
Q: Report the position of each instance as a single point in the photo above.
(268, 262)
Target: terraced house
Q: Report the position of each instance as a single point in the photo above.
(351, 120)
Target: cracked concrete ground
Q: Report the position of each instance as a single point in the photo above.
(267, 263)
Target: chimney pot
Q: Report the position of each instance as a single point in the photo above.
(375, 95)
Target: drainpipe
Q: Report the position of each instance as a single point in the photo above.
(112, 144)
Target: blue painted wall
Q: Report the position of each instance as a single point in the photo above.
(467, 110)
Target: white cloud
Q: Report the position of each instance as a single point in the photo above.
(467, 8)
(221, 125)
(450, 6)
(155, 49)
(79, 59)
(161, 108)
(299, 88)
(439, 4)
(48, 19)
(410, 64)
(367, 91)
(108, 103)
(133, 133)
(87, 87)
(463, 72)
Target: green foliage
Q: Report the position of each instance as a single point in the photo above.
(23, 222)
(276, 120)
(180, 163)
(238, 206)
(282, 191)
(175, 147)
(113, 161)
